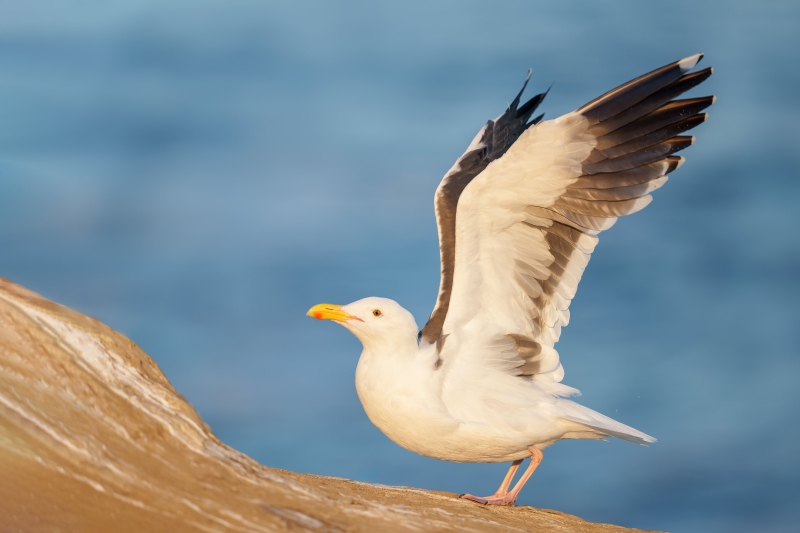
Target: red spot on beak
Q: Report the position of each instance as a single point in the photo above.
(318, 316)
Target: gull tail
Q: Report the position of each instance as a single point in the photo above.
(600, 425)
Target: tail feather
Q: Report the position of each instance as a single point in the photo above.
(601, 424)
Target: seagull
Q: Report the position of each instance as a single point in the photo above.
(518, 215)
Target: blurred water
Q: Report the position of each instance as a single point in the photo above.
(197, 174)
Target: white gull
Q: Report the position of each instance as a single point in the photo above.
(518, 217)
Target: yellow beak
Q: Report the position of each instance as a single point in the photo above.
(330, 312)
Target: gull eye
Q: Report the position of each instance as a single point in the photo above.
(376, 312)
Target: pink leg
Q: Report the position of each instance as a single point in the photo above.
(502, 490)
(503, 496)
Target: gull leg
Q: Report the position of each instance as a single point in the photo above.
(502, 490)
(503, 496)
(536, 460)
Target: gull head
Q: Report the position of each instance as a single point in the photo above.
(376, 322)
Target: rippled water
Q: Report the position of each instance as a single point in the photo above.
(198, 174)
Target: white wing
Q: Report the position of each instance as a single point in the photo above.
(529, 210)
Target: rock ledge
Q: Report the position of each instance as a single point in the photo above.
(94, 438)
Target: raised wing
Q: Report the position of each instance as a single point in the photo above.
(527, 220)
(494, 140)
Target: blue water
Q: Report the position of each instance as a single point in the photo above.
(197, 174)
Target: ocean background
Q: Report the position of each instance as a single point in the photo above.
(197, 174)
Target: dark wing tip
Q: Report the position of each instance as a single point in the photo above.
(513, 105)
(688, 63)
(673, 162)
(629, 94)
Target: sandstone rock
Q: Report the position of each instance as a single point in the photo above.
(94, 438)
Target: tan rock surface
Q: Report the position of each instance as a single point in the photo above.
(94, 438)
